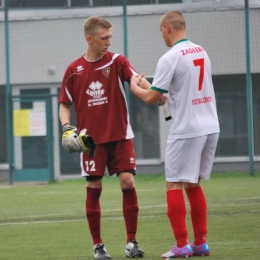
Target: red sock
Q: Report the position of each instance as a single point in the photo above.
(177, 215)
(93, 214)
(130, 212)
(198, 214)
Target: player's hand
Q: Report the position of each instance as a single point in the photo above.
(162, 100)
(87, 143)
(136, 79)
(72, 142)
(70, 139)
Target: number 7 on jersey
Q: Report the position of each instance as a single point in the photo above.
(200, 63)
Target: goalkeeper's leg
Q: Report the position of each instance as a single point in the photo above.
(130, 212)
(93, 213)
(130, 205)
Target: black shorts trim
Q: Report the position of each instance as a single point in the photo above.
(93, 178)
(131, 171)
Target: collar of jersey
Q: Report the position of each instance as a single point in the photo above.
(182, 40)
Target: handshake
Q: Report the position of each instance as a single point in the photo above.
(72, 142)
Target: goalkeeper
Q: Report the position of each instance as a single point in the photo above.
(94, 84)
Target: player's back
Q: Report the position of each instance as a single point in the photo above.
(192, 97)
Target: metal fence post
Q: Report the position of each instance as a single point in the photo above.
(126, 48)
(8, 96)
(249, 93)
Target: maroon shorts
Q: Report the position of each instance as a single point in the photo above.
(117, 156)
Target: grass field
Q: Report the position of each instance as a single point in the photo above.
(48, 221)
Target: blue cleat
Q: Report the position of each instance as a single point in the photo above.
(202, 250)
(179, 252)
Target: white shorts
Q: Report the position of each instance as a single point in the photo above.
(187, 160)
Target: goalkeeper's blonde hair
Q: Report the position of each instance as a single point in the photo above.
(95, 22)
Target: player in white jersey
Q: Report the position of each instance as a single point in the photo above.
(184, 73)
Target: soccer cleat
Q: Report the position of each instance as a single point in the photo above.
(202, 250)
(100, 252)
(178, 252)
(132, 250)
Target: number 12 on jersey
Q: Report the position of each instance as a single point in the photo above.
(90, 166)
(200, 63)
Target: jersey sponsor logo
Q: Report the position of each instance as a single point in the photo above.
(192, 50)
(96, 93)
(106, 72)
(79, 68)
(132, 160)
(95, 90)
(203, 100)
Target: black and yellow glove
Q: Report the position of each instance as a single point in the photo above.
(87, 143)
(72, 142)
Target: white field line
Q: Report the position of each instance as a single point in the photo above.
(41, 216)
(79, 220)
(60, 214)
(255, 198)
(39, 222)
(68, 221)
(109, 210)
(54, 221)
(143, 207)
(58, 192)
(120, 209)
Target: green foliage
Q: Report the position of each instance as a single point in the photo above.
(47, 221)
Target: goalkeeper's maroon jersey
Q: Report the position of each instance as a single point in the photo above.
(97, 91)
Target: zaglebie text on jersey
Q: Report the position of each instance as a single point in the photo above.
(192, 50)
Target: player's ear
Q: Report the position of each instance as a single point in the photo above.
(168, 27)
(89, 38)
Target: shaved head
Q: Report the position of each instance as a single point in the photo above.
(175, 19)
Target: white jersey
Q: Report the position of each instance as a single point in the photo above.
(184, 72)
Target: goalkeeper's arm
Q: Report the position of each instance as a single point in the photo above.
(71, 141)
(64, 113)
(69, 136)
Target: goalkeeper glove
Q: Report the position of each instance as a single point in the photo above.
(87, 143)
(72, 142)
